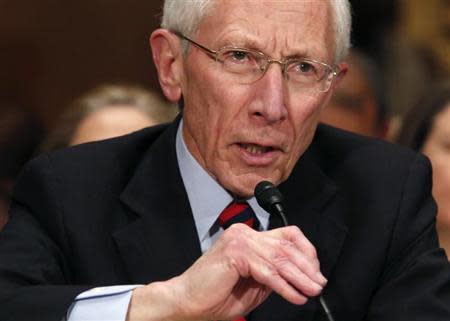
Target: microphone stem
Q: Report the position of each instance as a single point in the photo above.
(280, 212)
(323, 303)
(325, 308)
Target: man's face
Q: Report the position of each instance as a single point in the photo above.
(244, 133)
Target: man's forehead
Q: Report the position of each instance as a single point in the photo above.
(294, 26)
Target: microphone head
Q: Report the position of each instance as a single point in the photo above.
(267, 196)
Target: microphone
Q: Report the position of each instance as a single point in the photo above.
(271, 200)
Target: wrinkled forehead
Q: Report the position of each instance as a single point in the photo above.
(285, 27)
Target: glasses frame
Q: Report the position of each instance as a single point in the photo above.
(331, 74)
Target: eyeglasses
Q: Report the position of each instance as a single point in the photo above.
(250, 65)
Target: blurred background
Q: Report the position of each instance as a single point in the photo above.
(51, 52)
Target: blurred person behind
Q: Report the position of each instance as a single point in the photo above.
(19, 136)
(427, 129)
(358, 104)
(108, 111)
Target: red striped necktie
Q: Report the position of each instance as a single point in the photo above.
(238, 212)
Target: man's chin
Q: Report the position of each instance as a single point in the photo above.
(244, 187)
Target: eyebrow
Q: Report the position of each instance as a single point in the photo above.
(252, 43)
(243, 42)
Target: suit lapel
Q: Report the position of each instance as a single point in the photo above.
(308, 195)
(161, 242)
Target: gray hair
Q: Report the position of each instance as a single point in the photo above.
(185, 16)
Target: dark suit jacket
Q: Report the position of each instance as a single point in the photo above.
(116, 212)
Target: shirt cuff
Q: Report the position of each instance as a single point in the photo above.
(108, 303)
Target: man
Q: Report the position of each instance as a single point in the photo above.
(253, 77)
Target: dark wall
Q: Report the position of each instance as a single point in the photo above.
(51, 51)
(372, 19)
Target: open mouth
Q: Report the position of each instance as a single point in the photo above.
(256, 149)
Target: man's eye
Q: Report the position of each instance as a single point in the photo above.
(305, 68)
(238, 56)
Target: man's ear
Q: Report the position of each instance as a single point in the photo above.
(343, 68)
(168, 59)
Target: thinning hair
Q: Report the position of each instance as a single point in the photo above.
(185, 16)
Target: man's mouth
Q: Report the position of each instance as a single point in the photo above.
(256, 149)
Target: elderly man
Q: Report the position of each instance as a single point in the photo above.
(253, 77)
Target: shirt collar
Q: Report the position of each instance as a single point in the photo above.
(206, 197)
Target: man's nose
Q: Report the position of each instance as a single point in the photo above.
(271, 95)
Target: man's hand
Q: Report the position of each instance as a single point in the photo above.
(234, 276)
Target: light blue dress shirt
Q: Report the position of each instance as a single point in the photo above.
(207, 199)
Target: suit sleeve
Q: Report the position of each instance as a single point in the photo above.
(415, 285)
(35, 278)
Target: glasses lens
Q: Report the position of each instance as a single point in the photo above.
(246, 63)
(250, 65)
(309, 74)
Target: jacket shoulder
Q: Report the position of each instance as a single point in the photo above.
(93, 168)
(335, 149)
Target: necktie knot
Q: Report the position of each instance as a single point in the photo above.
(238, 212)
